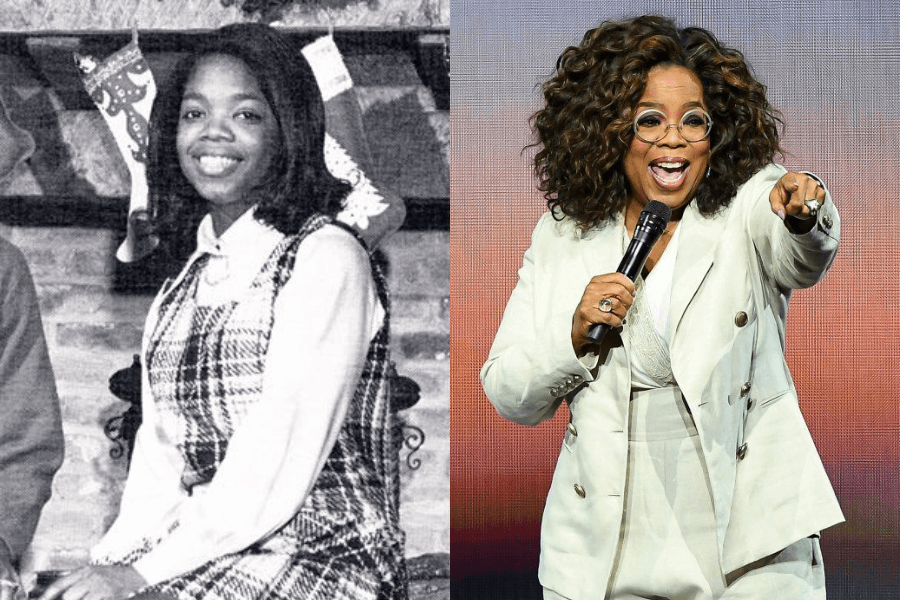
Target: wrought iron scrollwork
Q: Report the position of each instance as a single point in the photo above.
(113, 431)
(405, 393)
(413, 438)
(125, 384)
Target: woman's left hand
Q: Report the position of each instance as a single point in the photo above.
(789, 196)
(96, 583)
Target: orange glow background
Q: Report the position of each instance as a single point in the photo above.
(843, 346)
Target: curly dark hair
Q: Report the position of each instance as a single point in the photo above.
(585, 128)
(298, 183)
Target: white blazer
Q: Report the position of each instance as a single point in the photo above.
(727, 348)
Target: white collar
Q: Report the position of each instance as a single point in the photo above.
(236, 256)
(246, 234)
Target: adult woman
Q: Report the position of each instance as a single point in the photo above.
(672, 480)
(264, 467)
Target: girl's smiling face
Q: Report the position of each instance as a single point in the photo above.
(227, 136)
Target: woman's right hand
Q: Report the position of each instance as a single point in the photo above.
(613, 286)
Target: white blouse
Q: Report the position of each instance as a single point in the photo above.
(648, 319)
(325, 317)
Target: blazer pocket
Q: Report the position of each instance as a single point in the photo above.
(771, 378)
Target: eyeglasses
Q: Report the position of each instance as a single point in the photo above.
(651, 125)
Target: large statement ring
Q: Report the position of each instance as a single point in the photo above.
(606, 305)
(813, 205)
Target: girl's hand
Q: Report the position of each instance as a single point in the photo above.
(788, 198)
(618, 292)
(96, 583)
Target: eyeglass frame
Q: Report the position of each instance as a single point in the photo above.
(678, 125)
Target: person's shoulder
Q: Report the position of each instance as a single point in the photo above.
(8, 250)
(552, 225)
(12, 259)
(559, 228)
(333, 244)
(16, 283)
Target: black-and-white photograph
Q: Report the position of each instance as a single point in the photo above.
(225, 328)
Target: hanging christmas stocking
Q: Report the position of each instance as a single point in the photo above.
(123, 88)
(374, 213)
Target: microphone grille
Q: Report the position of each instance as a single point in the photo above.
(657, 208)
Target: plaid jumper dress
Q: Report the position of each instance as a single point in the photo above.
(206, 365)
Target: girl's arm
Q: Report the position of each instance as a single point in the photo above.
(325, 317)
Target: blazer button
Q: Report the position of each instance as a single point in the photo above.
(745, 389)
(580, 491)
(740, 319)
(571, 428)
(742, 451)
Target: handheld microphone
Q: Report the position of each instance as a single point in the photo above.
(650, 226)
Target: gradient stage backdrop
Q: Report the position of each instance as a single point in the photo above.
(833, 69)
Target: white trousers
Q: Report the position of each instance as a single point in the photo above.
(667, 544)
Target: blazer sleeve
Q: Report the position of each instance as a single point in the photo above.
(532, 363)
(792, 260)
(31, 438)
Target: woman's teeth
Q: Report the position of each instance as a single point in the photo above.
(668, 173)
(214, 165)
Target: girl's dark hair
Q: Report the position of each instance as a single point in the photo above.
(297, 184)
(585, 128)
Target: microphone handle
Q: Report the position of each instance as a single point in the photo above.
(598, 331)
(631, 265)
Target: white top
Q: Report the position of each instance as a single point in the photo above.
(325, 316)
(648, 319)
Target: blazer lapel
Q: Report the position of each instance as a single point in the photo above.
(696, 248)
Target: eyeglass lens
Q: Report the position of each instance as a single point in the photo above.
(652, 126)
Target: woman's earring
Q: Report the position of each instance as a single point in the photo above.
(708, 170)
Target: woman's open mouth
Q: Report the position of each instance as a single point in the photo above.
(669, 173)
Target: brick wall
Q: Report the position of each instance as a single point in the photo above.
(92, 331)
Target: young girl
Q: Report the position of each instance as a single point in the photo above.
(264, 467)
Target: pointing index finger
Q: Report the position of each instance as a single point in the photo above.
(780, 195)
